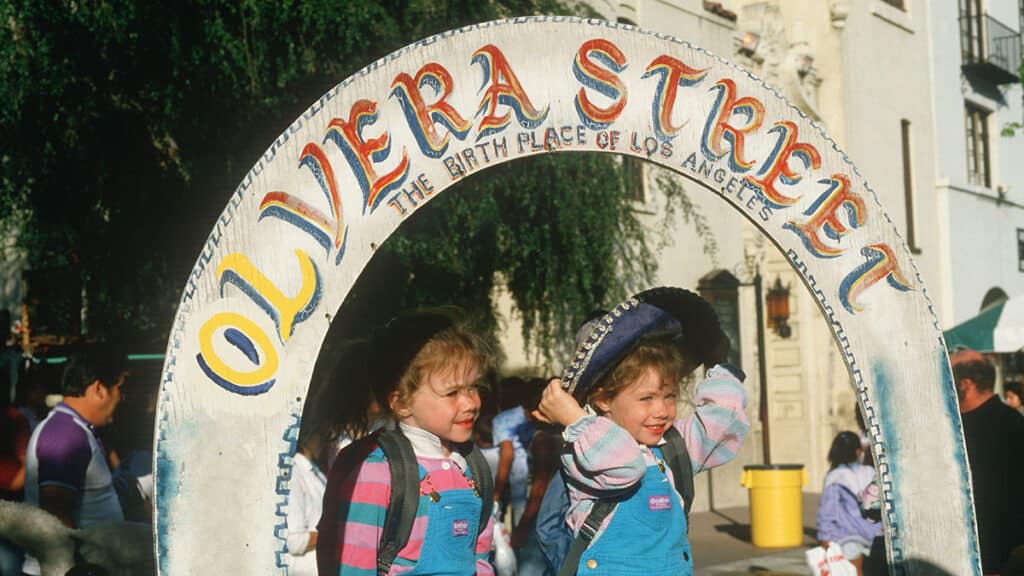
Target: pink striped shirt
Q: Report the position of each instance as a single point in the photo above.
(359, 533)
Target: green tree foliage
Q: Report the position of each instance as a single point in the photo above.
(126, 125)
(1010, 129)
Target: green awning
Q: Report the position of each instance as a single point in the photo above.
(997, 329)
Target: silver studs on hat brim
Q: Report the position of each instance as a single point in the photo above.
(585, 351)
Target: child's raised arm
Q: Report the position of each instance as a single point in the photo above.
(715, 430)
(600, 455)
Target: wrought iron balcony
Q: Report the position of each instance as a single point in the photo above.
(990, 49)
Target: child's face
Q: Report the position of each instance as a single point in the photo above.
(446, 404)
(645, 408)
(1012, 400)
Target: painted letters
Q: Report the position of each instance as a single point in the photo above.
(881, 264)
(776, 166)
(604, 81)
(423, 118)
(326, 230)
(672, 74)
(503, 87)
(236, 269)
(361, 154)
(247, 337)
(718, 126)
(824, 217)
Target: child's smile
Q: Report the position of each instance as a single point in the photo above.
(645, 408)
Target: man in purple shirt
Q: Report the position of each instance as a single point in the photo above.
(67, 473)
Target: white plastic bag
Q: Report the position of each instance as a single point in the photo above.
(829, 562)
(504, 557)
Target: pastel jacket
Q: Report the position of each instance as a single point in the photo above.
(604, 459)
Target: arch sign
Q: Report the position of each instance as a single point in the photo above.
(371, 152)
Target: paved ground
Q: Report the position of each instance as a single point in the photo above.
(721, 544)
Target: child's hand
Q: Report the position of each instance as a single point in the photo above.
(557, 406)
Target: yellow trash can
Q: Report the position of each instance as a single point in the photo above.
(776, 507)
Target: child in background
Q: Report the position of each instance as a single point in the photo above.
(542, 452)
(512, 431)
(305, 499)
(839, 513)
(427, 370)
(1013, 394)
(344, 405)
(628, 368)
(483, 437)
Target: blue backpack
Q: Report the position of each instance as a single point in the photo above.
(561, 549)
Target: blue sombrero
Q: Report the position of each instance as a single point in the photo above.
(663, 312)
(609, 339)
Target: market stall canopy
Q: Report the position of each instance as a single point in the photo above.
(999, 328)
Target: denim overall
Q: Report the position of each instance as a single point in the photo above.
(449, 545)
(646, 535)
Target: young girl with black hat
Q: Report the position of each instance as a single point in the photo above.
(427, 371)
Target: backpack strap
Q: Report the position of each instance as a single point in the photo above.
(337, 500)
(481, 472)
(404, 500)
(602, 508)
(678, 459)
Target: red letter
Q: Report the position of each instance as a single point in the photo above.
(504, 89)
(591, 75)
(358, 152)
(673, 75)
(718, 127)
(423, 119)
(881, 264)
(326, 230)
(777, 164)
(824, 216)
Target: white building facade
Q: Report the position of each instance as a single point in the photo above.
(893, 83)
(980, 171)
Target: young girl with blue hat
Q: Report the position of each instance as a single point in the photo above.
(626, 372)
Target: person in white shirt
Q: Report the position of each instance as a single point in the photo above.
(305, 501)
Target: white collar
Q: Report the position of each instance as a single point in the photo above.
(427, 445)
(67, 409)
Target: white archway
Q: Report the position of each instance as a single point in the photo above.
(307, 218)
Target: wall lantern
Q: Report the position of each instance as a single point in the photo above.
(778, 308)
(748, 44)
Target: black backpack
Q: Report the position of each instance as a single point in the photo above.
(405, 493)
(563, 552)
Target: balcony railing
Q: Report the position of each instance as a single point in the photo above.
(990, 48)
